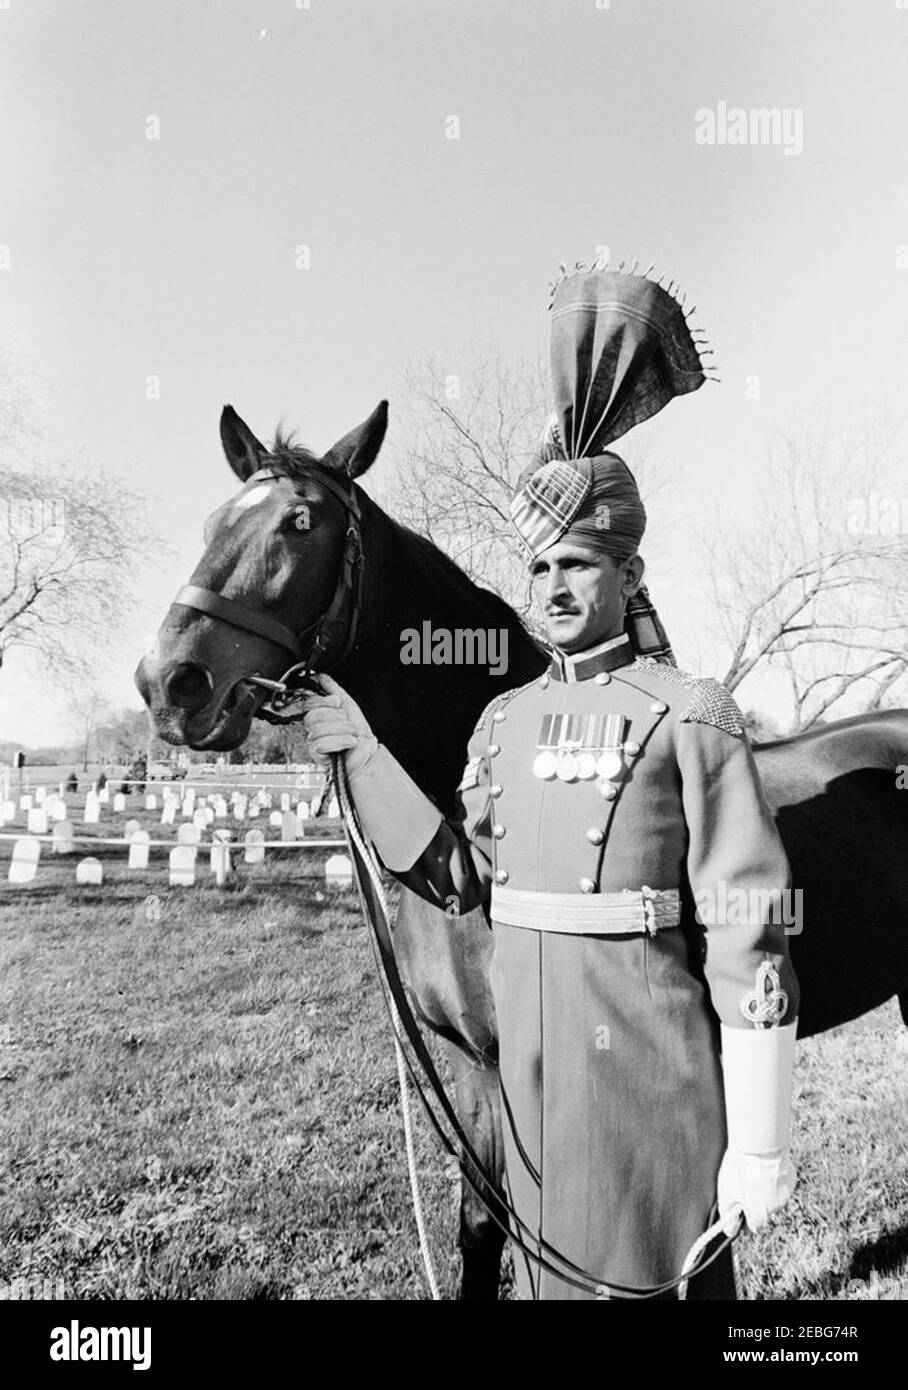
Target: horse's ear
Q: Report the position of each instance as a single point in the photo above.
(358, 450)
(243, 450)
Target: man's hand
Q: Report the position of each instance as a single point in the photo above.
(334, 723)
(756, 1184)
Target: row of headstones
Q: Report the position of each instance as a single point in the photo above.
(182, 859)
(202, 814)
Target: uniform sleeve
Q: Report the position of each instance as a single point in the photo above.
(454, 871)
(739, 875)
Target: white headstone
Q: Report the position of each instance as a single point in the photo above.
(63, 838)
(92, 810)
(130, 829)
(302, 810)
(138, 850)
(182, 865)
(119, 802)
(255, 846)
(285, 801)
(25, 802)
(24, 863)
(104, 795)
(275, 819)
(199, 820)
(253, 810)
(188, 835)
(239, 807)
(168, 813)
(37, 821)
(8, 811)
(338, 871)
(220, 861)
(89, 871)
(289, 825)
(333, 809)
(40, 794)
(151, 802)
(59, 811)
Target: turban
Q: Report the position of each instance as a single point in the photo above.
(621, 349)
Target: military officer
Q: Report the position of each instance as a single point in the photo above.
(609, 813)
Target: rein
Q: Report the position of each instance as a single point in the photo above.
(316, 648)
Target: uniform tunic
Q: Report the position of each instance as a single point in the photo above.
(613, 1110)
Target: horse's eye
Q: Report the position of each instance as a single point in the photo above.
(300, 517)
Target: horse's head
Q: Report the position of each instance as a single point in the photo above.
(273, 582)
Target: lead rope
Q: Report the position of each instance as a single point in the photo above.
(368, 857)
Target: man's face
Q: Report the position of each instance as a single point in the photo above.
(582, 593)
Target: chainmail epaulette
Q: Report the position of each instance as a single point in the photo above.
(710, 702)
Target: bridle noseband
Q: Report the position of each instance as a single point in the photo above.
(324, 644)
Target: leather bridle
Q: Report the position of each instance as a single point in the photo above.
(324, 644)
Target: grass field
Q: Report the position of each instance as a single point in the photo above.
(198, 1100)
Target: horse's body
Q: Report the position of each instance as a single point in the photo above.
(842, 820)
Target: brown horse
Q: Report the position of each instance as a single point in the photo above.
(302, 542)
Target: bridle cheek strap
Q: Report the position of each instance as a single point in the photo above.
(314, 645)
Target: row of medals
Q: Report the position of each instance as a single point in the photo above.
(597, 752)
(579, 765)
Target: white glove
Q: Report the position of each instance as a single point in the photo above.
(756, 1184)
(398, 817)
(756, 1176)
(334, 723)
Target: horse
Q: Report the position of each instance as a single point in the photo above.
(303, 563)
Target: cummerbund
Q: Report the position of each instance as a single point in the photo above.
(588, 914)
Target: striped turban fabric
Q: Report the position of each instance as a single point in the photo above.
(621, 350)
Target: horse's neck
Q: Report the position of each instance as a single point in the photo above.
(424, 713)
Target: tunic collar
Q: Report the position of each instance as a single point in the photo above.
(581, 666)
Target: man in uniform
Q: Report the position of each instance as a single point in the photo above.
(612, 818)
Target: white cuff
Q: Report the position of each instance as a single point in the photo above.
(757, 1070)
(399, 819)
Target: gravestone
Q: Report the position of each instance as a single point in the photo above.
(338, 871)
(255, 846)
(138, 850)
(24, 863)
(89, 871)
(64, 842)
(182, 865)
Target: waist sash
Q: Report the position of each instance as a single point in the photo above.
(588, 914)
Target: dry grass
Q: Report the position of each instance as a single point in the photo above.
(205, 1106)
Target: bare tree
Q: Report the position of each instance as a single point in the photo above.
(463, 443)
(817, 584)
(70, 540)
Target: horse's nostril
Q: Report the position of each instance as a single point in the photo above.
(189, 686)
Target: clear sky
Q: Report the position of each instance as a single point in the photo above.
(325, 126)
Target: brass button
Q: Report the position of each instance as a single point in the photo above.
(595, 836)
(631, 748)
(602, 678)
(658, 707)
(609, 791)
(587, 885)
(502, 876)
(494, 749)
(498, 716)
(499, 832)
(495, 790)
